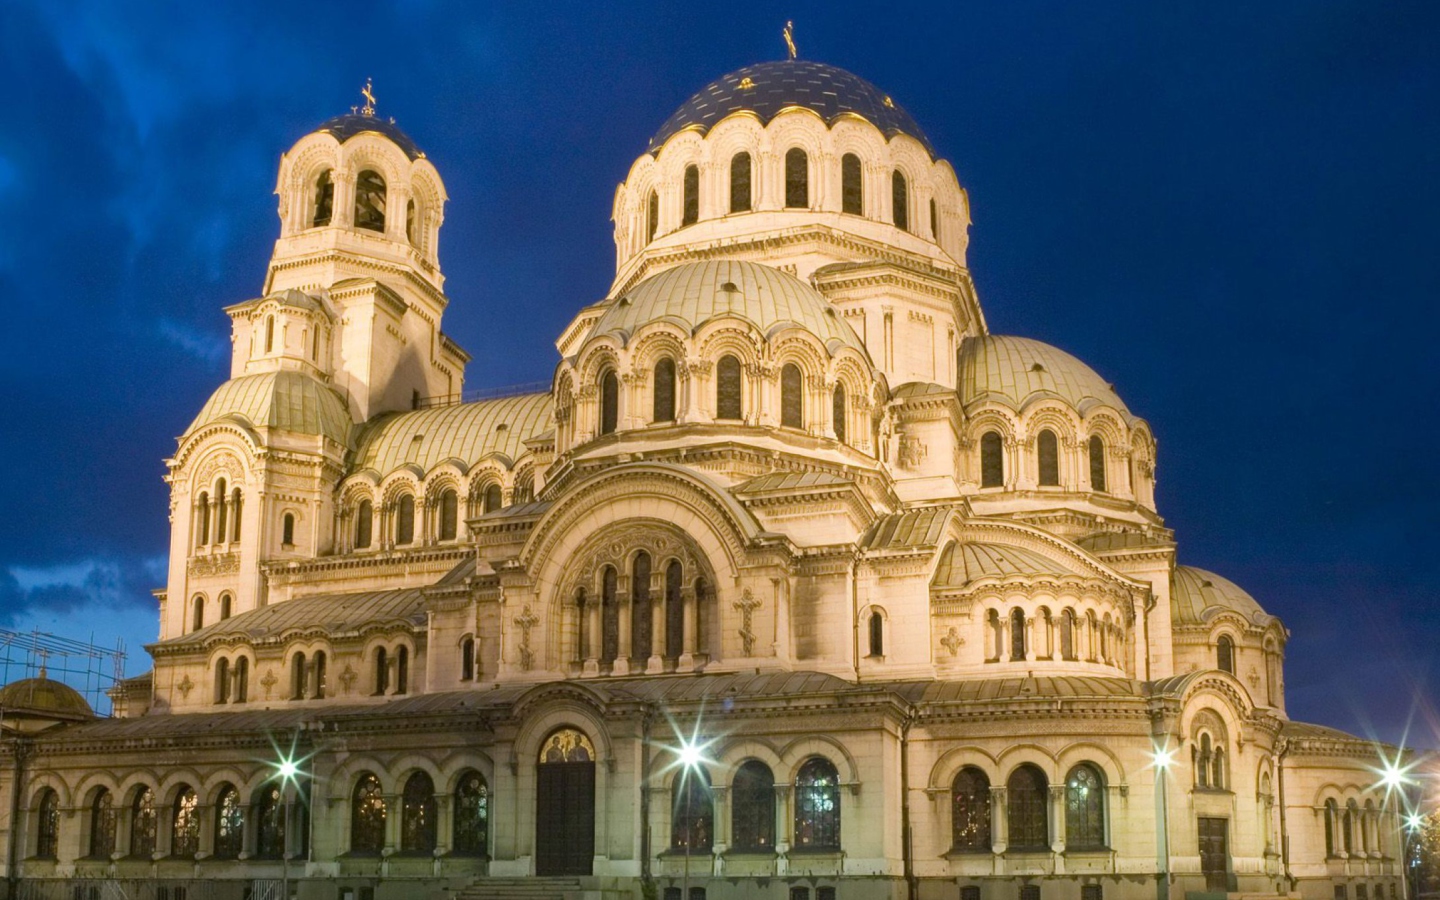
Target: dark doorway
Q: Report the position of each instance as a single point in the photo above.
(1215, 853)
(565, 805)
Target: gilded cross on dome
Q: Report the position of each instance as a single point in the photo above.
(789, 34)
(368, 93)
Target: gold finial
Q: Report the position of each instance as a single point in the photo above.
(789, 33)
(747, 83)
(369, 108)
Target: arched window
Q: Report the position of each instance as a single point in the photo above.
(287, 530)
(1017, 634)
(364, 520)
(418, 815)
(47, 826)
(740, 182)
(235, 514)
(197, 613)
(467, 659)
(652, 216)
(410, 224)
(838, 411)
(493, 500)
(877, 634)
(1084, 808)
(852, 190)
(1332, 812)
(1217, 767)
(1202, 761)
(992, 460)
(640, 615)
(792, 403)
(1028, 792)
(753, 821)
(797, 179)
(220, 512)
(405, 519)
(370, 201)
(610, 614)
(270, 823)
(970, 811)
(269, 334)
(319, 692)
(1347, 827)
(664, 405)
(382, 671)
(367, 817)
(449, 513)
(242, 679)
(472, 815)
(900, 200)
(222, 680)
(297, 677)
(692, 820)
(1097, 463)
(324, 200)
(227, 604)
(1067, 634)
(1225, 654)
(727, 389)
(402, 670)
(202, 520)
(934, 222)
(674, 609)
(102, 825)
(817, 806)
(691, 212)
(609, 402)
(142, 824)
(1048, 449)
(229, 823)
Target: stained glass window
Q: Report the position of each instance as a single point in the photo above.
(640, 616)
(817, 806)
(229, 823)
(970, 810)
(418, 815)
(728, 403)
(1027, 794)
(367, 817)
(992, 460)
(797, 179)
(1084, 808)
(753, 819)
(102, 825)
(664, 405)
(1097, 463)
(1049, 454)
(610, 611)
(674, 609)
(1017, 634)
(740, 183)
(185, 824)
(792, 404)
(47, 835)
(692, 823)
(472, 815)
(370, 201)
(270, 823)
(852, 191)
(691, 214)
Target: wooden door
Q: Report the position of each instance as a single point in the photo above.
(565, 818)
(1215, 853)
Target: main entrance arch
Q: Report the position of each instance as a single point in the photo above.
(565, 804)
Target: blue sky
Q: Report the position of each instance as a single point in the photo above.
(1228, 210)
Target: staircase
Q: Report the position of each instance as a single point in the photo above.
(533, 888)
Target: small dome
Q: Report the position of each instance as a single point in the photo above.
(343, 128)
(1197, 595)
(285, 400)
(963, 563)
(1018, 371)
(767, 89)
(43, 697)
(692, 294)
(468, 432)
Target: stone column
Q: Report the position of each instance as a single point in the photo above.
(658, 651)
(688, 603)
(1057, 817)
(622, 655)
(999, 819)
(594, 634)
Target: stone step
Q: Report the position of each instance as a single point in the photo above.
(520, 889)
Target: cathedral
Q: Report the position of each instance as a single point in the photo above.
(798, 582)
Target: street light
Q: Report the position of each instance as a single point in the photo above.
(1414, 821)
(691, 754)
(1162, 758)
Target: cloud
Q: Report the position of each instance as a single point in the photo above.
(115, 584)
(201, 345)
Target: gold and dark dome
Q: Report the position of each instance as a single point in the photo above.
(350, 125)
(768, 89)
(43, 697)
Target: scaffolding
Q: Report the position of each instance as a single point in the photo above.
(86, 666)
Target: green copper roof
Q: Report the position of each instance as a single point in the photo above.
(468, 432)
(1017, 371)
(285, 400)
(695, 293)
(963, 563)
(1194, 591)
(335, 615)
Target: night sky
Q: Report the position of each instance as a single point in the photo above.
(1229, 210)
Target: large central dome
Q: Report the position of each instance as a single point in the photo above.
(768, 88)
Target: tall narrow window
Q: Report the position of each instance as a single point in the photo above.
(242, 679)
(269, 334)
(185, 823)
(1048, 450)
(287, 530)
(970, 811)
(817, 806)
(47, 833)
(493, 500)
(297, 677)
(1084, 808)
(728, 389)
(370, 201)
(364, 521)
(610, 613)
(142, 824)
(1067, 634)
(102, 825)
(472, 815)
(1225, 654)
(229, 823)
(934, 222)
(652, 216)
(1028, 795)
(900, 200)
(877, 634)
(1097, 463)
(838, 411)
(467, 659)
(222, 680)
(792, 404)
(797, 179)
(640, 616)
(367, 817)
(1017, 634)
(410, 223)
(202, 520)
(674, 609)
(418, 814)
(324, 200)
(405, 519)
(664, 405)
(220, 512)
(270, 823)
(402, 670)
(1202, 762)
(449, 513)
(992, 460)
(235, 514)
(691, 213)
(852, 191)
(197, 613)
(753, 819)
(692, 820)
(740, 182)
(609, 402)
(318, 691)
(382, 670)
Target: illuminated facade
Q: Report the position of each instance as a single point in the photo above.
(902, 576)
